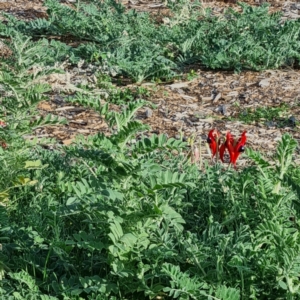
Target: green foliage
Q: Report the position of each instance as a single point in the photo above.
(182, 285)
(125, 42)
(125, 215)
(22, 88)
(123, 96)
(109, 218)
(274, 114)
(252, 40)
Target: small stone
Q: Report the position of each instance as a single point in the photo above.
(270, 124)
(222, 109)
(149, 113)
(242, 97)
(292, 121)
(194, 119)
(264, 83)
(188, 121)
(58, 100)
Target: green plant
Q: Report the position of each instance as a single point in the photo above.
(132, 44)
(275, 114)
(123, 96)
(126, 215)
(111, 217)
(191, 75)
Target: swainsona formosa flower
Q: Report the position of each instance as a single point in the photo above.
(234, 147)
(213, 141)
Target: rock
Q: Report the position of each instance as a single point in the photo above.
(264, 83)
(189, 122)
(58, 100)
(222, 109)
(271, 124)
(292, 121)
(194, 119)
(149, 113)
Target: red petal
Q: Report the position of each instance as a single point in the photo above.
(229, 145)
(213, 139)
(222, 151)
(239, 147)
(213, 147)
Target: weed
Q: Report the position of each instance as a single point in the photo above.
(265, 114)
(165, 93)
(192, 75)
(127, 95)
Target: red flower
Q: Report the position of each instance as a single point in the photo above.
(228, 144)
(234, 147)
(2, 123)
(213, 141)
